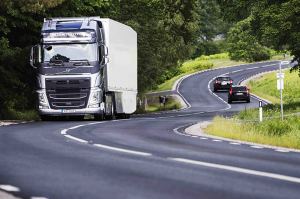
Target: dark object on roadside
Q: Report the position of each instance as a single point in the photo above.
(238, 93)
(163, 100)
(222, 83)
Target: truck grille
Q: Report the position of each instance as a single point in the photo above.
(68, 93)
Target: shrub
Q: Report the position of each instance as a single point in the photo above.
(242, 44)
(275, 127)
(194, 65)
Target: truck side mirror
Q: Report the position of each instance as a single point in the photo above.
(104, 54)
(35, 57)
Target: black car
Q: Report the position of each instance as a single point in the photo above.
(238, 93)
(222, 83)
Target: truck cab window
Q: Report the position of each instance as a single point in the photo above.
(70, 52)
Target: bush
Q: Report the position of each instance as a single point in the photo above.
(242, 44)
(194, 65)
(215, 56)
(275, 127)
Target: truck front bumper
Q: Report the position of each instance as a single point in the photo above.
(67, 112)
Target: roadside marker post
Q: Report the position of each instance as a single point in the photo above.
(280, 77)
(260, 112)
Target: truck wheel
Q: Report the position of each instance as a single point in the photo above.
(123, 116)
(99, 117)
(109, 107)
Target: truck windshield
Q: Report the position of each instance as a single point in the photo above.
(69, 52)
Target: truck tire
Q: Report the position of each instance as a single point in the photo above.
(109, 107)
(123, 116)
(99, 117)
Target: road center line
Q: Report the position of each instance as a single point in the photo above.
(239, 170)
(9, 188)
(235, 143)
(256, 147)
(122, 150)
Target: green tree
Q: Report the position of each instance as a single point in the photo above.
(275, 23)
(243, 45)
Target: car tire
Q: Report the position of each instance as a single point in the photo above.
(229, 101)
(248, 101)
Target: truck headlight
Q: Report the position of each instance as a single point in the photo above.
(95, 99)
(42, 98)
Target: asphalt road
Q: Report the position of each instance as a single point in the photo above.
(148, 156)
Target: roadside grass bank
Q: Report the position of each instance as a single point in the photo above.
(245, 126)
(27, 115)
(265, 87)
(205, 62)
(198, 64)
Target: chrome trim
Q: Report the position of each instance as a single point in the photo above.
(77, 98)
(68, 106)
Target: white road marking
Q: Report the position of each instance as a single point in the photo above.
(9, 188)
(64, 131)
(282, 150)
(75, 138)
(256, 147)
(36, 197)
(215, 140)
(203, 138)
(122, 150)
(235, 143)
(239, 170)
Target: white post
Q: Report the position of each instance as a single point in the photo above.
(281, 85)
(260, 112)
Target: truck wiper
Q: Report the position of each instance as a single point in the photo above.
(59, 59)
(56, 63)
(80, 62)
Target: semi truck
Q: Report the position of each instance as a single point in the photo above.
(85, 66)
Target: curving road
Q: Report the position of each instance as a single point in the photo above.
(148, 156)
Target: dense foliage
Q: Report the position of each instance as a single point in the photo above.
(243, 45)
(166, 35)
(169, 32)
(275, 24)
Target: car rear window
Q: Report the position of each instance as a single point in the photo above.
(239, 88)
(223, 78)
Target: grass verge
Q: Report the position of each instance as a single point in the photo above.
(204, 62)
(201, 63)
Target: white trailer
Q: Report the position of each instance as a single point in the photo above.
(121, 70)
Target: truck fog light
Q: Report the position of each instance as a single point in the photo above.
(94, 106)
(43, 107)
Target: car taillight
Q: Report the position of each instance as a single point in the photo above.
(247, 91)
(230, 91)
(230, 81)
